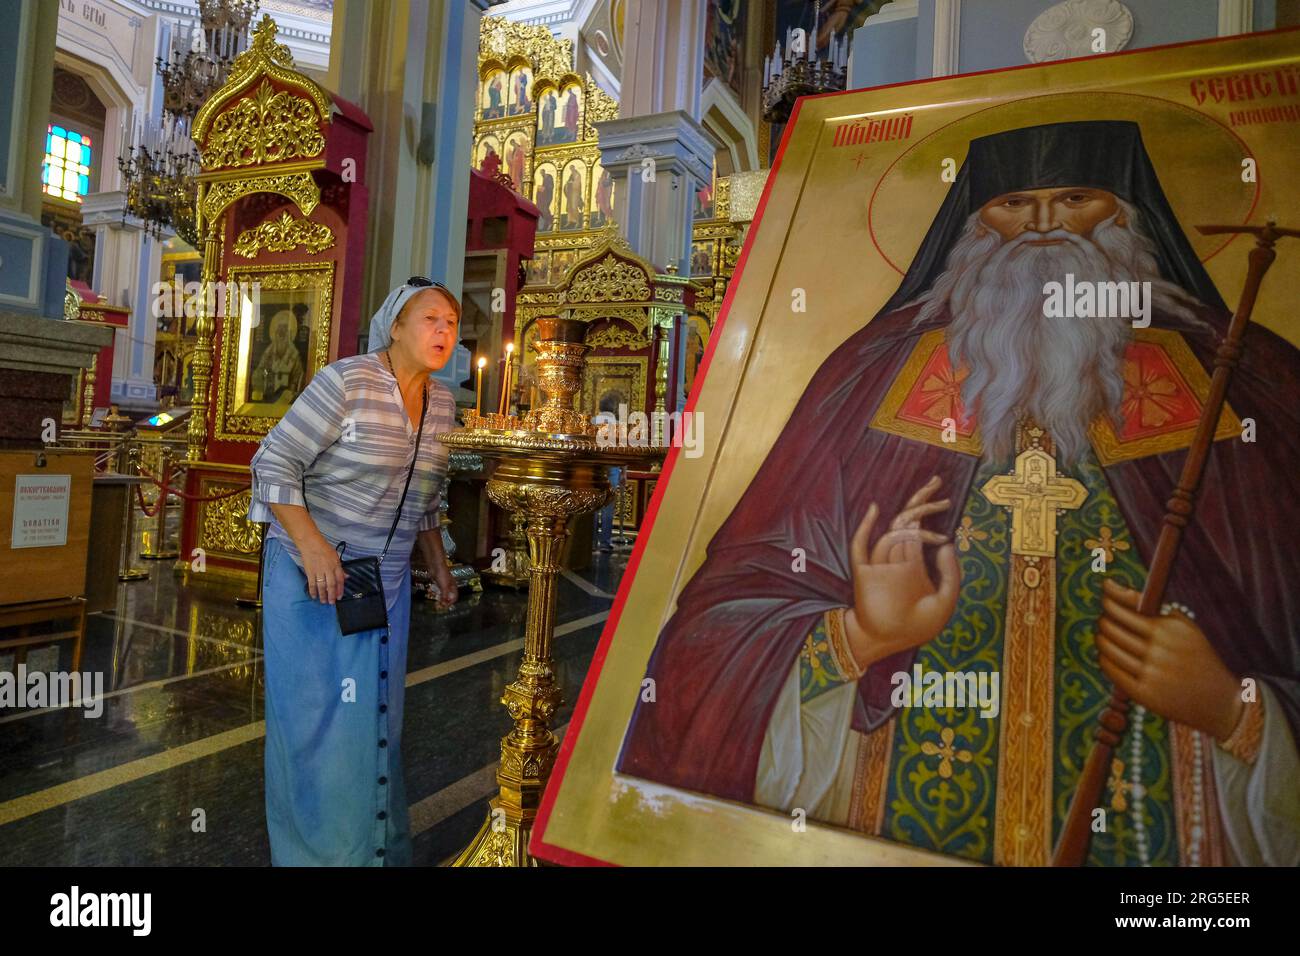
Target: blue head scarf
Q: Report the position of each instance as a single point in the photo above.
(381, 323)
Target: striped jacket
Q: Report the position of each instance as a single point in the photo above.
(347, 438)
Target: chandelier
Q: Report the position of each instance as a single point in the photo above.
(161, 163)
(158, 174)
(202, 54)
(798, 71)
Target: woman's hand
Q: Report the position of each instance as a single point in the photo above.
(320, 562)
(448, 590)
(435, 559)
(324, 570)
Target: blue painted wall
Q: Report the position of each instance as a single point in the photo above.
(892, 54)
(992, 35)
(457, 82)
(16, 264)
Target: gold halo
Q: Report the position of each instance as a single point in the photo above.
(1197, 159)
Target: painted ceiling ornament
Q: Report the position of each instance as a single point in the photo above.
(1066, 30)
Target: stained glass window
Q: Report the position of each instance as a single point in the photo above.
(66, 170)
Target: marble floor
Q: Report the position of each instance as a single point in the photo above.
(182, 725)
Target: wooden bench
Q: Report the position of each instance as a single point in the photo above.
(22, 616)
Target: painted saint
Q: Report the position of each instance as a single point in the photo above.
(546, 134)
(546, 201)
(701, 260)
(491, 163)
(574, 197)
(279, 372)
(604, 200)
(515, 161)
(570, 116)
(990, 482)
(704, 202)
(495, 101)
(519, 100)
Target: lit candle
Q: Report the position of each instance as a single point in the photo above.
(478, 387)
(510, 374)
(503, 405)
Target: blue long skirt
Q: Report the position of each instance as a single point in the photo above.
(335, 791)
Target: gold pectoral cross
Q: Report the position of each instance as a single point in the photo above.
(1035, 493)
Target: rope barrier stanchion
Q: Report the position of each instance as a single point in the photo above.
(255, 600)
(129, 571)
(160, 510)
(158, 550)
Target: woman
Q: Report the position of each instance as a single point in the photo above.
(333, 471)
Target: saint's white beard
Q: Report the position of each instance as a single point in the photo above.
(1063, 372)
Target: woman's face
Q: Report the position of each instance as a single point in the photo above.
(427, 329)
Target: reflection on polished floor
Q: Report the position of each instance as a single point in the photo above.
(182, 725)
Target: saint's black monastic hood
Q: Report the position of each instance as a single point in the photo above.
(1101, 154)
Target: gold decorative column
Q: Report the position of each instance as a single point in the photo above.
(549, 466)
(204, 326)
(88, 395)
(663, 334)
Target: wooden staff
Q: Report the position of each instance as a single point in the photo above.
(1072, 849)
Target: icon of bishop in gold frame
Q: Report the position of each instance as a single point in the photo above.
(276, 337)
(953, 470)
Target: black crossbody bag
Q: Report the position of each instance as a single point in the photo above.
(363, 606)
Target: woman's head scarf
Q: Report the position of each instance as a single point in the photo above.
(381, 323)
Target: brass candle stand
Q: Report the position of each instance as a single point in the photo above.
(511, 571)
(549, 466)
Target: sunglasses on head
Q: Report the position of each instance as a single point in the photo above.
(420, 282)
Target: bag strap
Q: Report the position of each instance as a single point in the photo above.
(424, 407)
